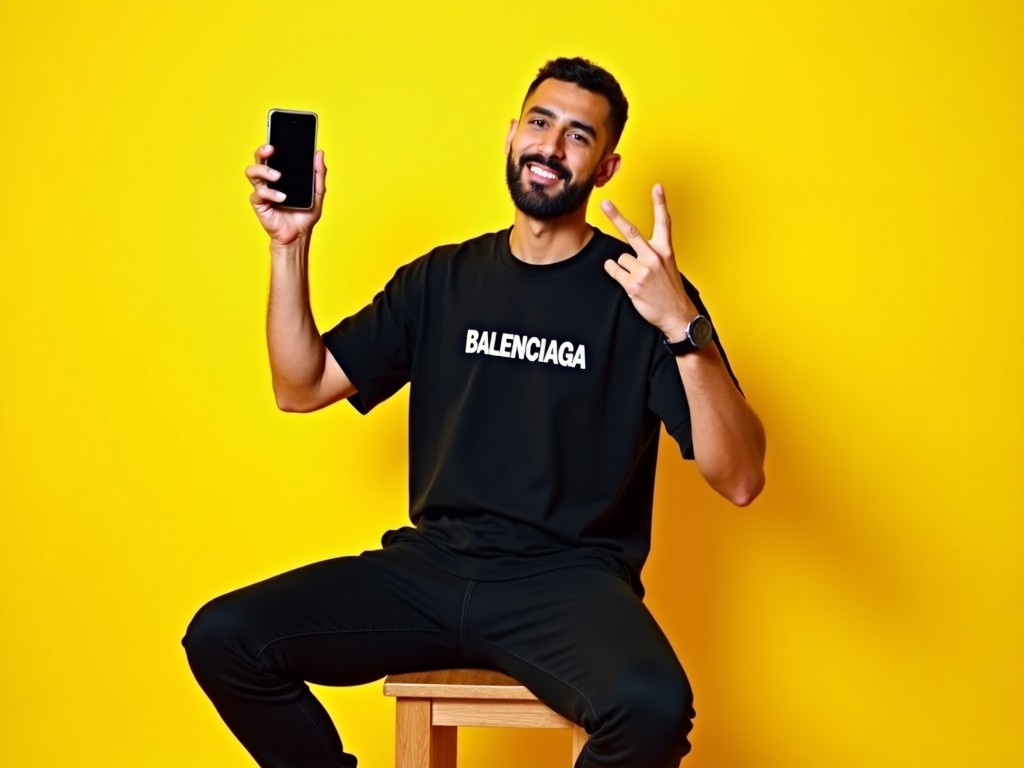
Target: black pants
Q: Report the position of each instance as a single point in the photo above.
(579, 638)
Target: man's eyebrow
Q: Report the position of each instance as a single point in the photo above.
(587, 129)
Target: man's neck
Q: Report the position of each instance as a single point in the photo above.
(549, 241)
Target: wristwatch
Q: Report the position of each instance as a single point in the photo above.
(698, 335)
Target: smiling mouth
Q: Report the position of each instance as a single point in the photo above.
(543, 172)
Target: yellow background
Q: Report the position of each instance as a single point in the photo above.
(847, 185)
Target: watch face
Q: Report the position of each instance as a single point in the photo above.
(700, 331)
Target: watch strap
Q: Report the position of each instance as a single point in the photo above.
(679, 347)
(699, 327)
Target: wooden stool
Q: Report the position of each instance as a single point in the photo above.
(429, 707)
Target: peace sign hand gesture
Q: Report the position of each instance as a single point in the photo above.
(651, 278)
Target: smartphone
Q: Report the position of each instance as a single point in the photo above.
(293, 136)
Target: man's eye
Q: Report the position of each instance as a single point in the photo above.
(578, 137)
(538, 122)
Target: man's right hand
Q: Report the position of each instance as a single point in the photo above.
(304, 375)
(284, 225)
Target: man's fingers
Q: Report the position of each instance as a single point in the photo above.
(261, 174)
(660, 244)
(628, 262)
(629, 231)
(616, 271)
(320, 173)
(628, 271)
(662, 220)
(263, 193)
(263, 151)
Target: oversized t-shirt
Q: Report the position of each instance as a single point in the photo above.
(537, 393)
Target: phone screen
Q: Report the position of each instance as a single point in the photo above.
(293, 136)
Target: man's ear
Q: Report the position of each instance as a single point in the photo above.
(513, 124)
(607, 168)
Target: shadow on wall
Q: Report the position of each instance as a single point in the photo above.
(716, 570)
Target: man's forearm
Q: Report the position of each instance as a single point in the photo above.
(293, 341)
(728, 438)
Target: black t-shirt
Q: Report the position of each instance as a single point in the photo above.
(537, 395)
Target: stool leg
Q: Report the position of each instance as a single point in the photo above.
(418, 744)
(443, 746)
(579, 740)
(412, 733)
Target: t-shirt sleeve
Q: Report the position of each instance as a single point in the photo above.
(667, 397)
(375, 346)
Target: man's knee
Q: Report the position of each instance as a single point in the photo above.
(659, 704)
(215, 636)
(649, 715)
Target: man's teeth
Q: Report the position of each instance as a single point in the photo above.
(544, 172)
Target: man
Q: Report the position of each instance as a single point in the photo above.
(542, 360)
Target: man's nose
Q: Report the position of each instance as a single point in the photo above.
(552, 144)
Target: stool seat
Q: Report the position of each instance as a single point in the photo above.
(430, 706)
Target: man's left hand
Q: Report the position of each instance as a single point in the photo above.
(651, 278)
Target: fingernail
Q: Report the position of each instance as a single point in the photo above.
(280, 196)
(606, 205)
(659, 189)
(275, 175)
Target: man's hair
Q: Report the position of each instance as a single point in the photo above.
(587, 75)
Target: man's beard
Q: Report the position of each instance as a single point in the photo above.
(531, 198)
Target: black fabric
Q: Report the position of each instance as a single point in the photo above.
(537, 394)
(579, 638)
